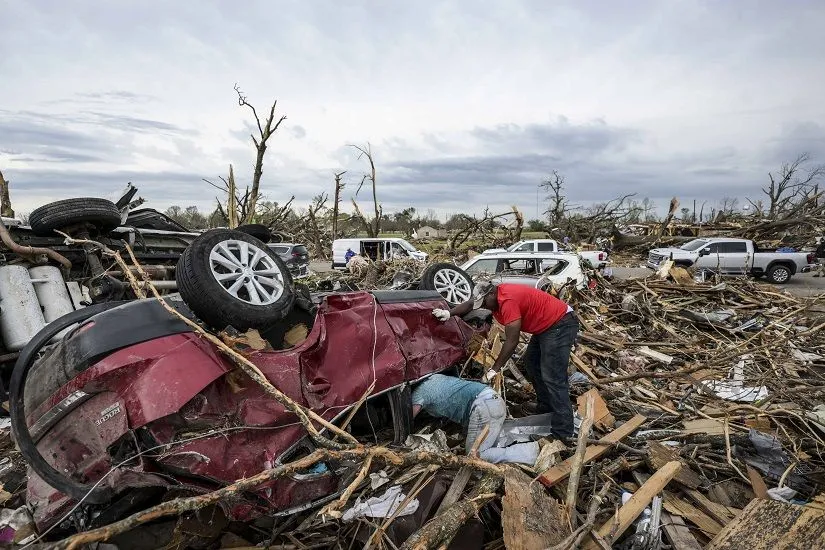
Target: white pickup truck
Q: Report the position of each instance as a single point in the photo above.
(734, 257)
(596, 258)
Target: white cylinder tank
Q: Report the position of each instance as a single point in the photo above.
(20, 314)
(51, 292)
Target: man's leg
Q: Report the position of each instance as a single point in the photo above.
(491, 411)
(532, 364)
(488, 410)
(556, 343)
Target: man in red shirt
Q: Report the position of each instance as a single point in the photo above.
(553, 326)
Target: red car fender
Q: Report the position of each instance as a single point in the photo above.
(154, 378)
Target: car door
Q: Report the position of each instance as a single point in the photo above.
(734, 258)
(709, 257)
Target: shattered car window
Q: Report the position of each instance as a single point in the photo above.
(489, 265)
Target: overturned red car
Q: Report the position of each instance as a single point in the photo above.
(130, 406)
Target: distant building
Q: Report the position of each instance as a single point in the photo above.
(427, 232)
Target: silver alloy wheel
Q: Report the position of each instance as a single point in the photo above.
(246, 272)
(780, 275)
(452, 285)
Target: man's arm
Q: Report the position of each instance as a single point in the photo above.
(462, 309)
(512, 332)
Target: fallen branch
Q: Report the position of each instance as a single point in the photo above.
(181, 505)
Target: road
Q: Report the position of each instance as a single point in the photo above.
(804, 284)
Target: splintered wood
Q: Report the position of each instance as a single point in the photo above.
(530, 517)
(772, 525)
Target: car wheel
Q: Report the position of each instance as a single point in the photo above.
(779, 274)
(231, 278)
(257, 230)
(450, 281)
(102, 214)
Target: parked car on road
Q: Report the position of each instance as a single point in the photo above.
(374, 249)
(92, 412)
(540, 270)
(734, 257)
(295, 256)
(597, 258)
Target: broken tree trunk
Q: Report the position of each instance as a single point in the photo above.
(5, 200)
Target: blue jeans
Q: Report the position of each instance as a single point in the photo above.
(489, 410)
(546, 359)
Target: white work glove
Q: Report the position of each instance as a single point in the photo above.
(441, 314)
(488, 376)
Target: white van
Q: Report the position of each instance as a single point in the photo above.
(374, 249)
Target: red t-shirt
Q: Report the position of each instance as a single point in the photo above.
(537, 310)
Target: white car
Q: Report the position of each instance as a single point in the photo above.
(374, 249)
(597, 258)
(536, 269)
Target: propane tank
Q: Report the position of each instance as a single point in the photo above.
(52, 294)
(20, 314)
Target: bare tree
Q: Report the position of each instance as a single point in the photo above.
(793, 182)
(237, 206)
(372, 227)
(5, 200)
(600, 218)
(339, 186)
(674, 205)
(469, 226)
(728, 205)
(558, 204)
(316, 231)
(265, 131)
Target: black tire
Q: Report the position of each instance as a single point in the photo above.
(779, 274)
(257, 230)
(212, 302)
(102, 214)
(434, 277)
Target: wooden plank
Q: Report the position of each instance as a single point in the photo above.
(658, 455)
(758, 484)
(456, 488)
(715, 510)
(602, 418)
(530, 517)
(656, 355)
(767, 524)
(679, 507)
(678, 533)
(583, 366)
(707, 426)
(627, 514)
(560, 471)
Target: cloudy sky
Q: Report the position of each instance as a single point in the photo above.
(466, 103)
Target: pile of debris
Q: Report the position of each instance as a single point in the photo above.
(700, 424)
